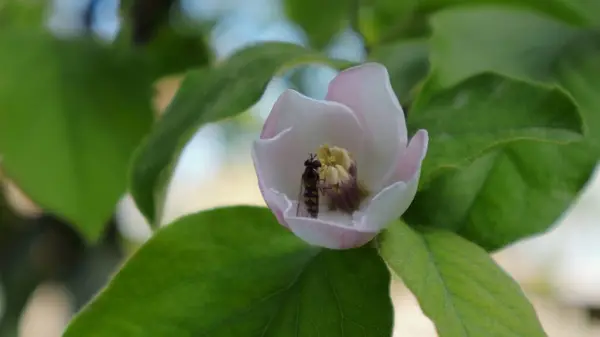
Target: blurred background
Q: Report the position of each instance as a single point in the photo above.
(47, 271)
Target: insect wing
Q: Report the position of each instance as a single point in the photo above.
(301, 210)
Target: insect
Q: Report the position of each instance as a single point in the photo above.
(308, 198)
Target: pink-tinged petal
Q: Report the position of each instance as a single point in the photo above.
(325, 234)
(394, 200)
(332, 231)
(278, 118)
(409, 164)
(273, 201)
(367, 90)
(386, 206)
(293, 108)
(279, 160)
(276, 202)
(266, 154)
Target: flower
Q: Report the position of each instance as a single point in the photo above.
(368, 174)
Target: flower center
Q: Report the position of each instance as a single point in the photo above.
(335, 164)
(339, 179)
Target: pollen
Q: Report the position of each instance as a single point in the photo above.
(334, 176)
(340, 183)
(333, 155)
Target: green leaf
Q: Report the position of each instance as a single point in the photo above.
(513, 192)
(485, 112)
(458, 286)
(407, 63)
(383, 21)
(578, 72)
(320, 19)
(533, 48)
(525, 49)
(576, 12)
(206, 95)
(507, 173)
(236, 272)
(521, 188)
(71, 114)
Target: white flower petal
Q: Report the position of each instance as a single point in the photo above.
(276, 202)
(279, 160)
(410, 162)
(293, 108)
(386, 206)
(333, 232)
(326, 234)
(367, 90)
(266, 155)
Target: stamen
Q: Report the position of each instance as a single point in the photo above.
(332, 155)
(340, 184)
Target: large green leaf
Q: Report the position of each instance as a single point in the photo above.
(532, 48)
(578, 72)
(71, 114)
(458, 286)
(527, 48)
(237, 272)
(522, 187)
(206, 95)
(496, 170)
(515, 191)
(485, 112)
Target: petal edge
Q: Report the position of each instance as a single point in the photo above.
(323, 234)
(409, 163)
(366, 89)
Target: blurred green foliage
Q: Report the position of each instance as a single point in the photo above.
(81, 110)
